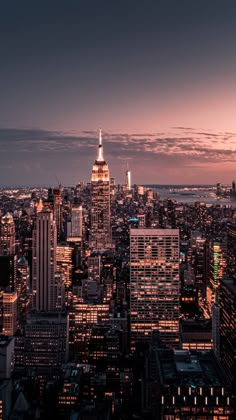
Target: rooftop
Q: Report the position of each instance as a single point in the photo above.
(154, 232)
(189, 368)
(196, 325)
(45, 317)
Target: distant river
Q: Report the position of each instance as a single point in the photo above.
(191, 194)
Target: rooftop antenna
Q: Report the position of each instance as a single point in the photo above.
(100, 148)
(59, 183)
(100, 137)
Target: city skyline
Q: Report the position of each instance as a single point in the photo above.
(157, 78)
(179, 156)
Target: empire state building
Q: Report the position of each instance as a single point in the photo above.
(100, 235)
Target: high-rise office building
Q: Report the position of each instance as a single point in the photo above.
(216, 328)
(6, 356)
(23, 288)
(112, 185)
(154, 285)
(64, 258)
(83, 316)
(94, 267)
(76, 222)
(44, 262)
(64, 262)
(8, 258)
(100, 235)
(23, 277)
(227, 307)
(9, 325)
(7, 235)
(128, 180)
(8, 264)
(231, 248)
(6, 368)
(46, 340)
(57, 213)
(141, 220)
(199, 261)
(217, 268)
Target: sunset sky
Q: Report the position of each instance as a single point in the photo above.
(158, 76)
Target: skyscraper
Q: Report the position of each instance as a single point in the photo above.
(8, 261)
(128, 179)
(227, 307)
(44, 261)
(64, 256)
(7, 235)
(217, 268)
(154, 285)
(9, 313)
(46, 341)
(76, 221)
(7, 253)
(198, 258)
(100, 235)
(57, 192)
(231, 248)
(8, 272)
(23, 288)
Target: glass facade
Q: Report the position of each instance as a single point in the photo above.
(227, 304)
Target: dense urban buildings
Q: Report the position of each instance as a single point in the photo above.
(116, 302)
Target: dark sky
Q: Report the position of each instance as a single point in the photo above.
(159, 77)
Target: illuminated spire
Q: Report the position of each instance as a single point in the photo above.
(39, 205)
(100, 157)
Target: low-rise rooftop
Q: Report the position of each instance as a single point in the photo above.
(189, 368)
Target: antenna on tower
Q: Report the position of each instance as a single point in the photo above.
(59, 183)
(100, 148)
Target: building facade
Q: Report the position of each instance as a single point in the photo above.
(76, 221)
(9, 307)
(46, 340)
(227, 307)
(154, 285)
(44, 262)
(8, 267)
(7, 235)
(57, 208)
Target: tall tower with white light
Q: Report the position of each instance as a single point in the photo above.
(128, 180)
(100, 235)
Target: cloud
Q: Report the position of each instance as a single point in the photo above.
(42, 153)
